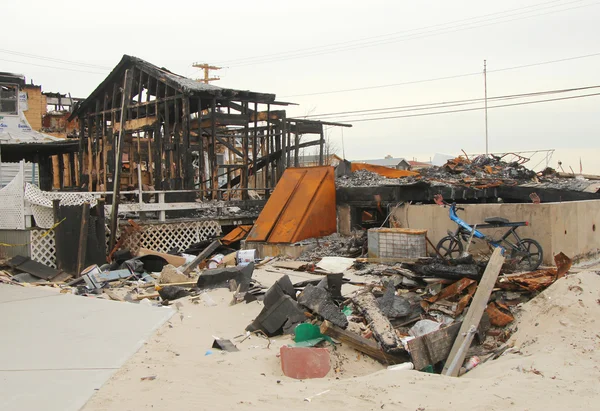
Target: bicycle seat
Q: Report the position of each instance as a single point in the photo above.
(496, 220)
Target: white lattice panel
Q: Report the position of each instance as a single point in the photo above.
(164, 237)
(44, 198)
(12, 207)
(43, 249)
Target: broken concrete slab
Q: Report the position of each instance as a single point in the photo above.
(319, 301)
(170, 274)
(220, 276)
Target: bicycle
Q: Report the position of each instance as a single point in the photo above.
(526, 252)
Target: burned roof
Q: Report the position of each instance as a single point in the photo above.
(183, 84)
(12, 78)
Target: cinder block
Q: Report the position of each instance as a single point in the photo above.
(305, 362)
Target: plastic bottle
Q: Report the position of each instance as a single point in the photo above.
(405, 366)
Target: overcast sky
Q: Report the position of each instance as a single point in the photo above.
(406, 42)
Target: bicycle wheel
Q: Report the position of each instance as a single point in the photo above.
(529, 255)
(450, 247)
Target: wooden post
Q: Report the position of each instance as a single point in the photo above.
(81, 149)
(83, 238)
(474, 314)
(201, 165)
(213, 154)
(90, 155)
(321, 146)
(359, 343)
(57, 232)
(254, 147)
(118, 160)
(97, 143)
(188, 172)
(104, 143)
(296, 148)
(284, 147)
(245, 144)
(201, 257)
(268, 165)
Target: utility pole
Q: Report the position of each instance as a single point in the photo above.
(206, 67)
(486, 118)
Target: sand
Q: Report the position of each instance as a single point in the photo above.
(556, 365)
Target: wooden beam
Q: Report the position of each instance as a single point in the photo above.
(432, 348)
(186, 155)
(383, 331)
(359, 343)
(118, 160)
(212, 156)
(137, 124)
(474, 314)
(201, 257)
(83, 238)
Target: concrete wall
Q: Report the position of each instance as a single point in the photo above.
(570, 227)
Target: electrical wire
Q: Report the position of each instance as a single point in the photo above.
(429, 106)
(52, 59)
(53, 67)
(472, 109)
(441, 78)
(437, 32)
(245, 59)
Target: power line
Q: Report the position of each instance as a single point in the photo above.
(52, 59)
(473, 109)
(440, 78)
(245, 59)
(443, 104)
(425, 34)
(53, 67)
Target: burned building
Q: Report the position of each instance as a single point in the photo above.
(151, 129)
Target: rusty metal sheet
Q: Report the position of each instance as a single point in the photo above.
(236, 234)
(499, 314)
(382, 170)
(302, 206)
(452, 290)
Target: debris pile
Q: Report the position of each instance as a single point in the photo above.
(479, 172)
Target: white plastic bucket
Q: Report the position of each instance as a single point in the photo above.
(245, 257)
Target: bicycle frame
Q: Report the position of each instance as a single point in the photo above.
(469, 229)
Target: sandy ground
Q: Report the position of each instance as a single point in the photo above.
(557, 366)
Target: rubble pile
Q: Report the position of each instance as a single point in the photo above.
(479, 172)
(408, 313)
(366, 178)
(336, 245)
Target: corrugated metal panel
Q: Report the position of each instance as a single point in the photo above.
(10, 170)
(302, 206)
(14, 237)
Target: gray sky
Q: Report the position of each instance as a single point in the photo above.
(410, 41)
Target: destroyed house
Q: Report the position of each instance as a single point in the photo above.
(167, 132)
(20, 142)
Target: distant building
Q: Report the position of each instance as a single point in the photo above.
(418, 165)
(398, 163)
(313, 161)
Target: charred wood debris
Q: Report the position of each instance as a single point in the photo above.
(413, 311)
(396, 313)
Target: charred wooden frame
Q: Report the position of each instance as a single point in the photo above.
(186, 135)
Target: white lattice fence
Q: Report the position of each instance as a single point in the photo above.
(165, 237)
(42, 249)
(158, 237)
